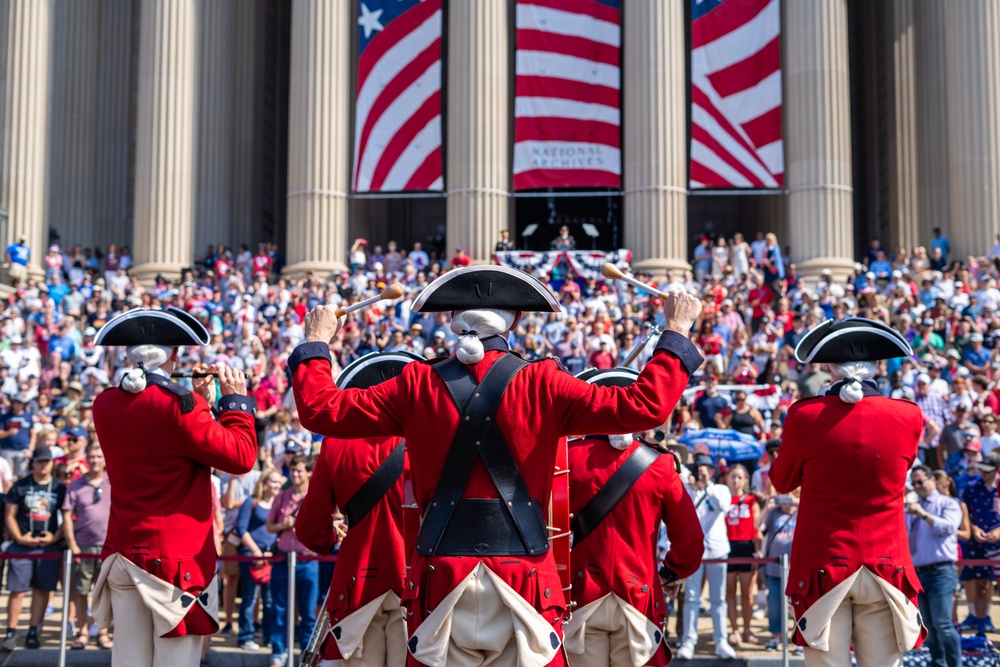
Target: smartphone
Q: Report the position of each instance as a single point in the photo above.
(784, 499)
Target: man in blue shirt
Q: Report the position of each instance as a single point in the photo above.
(17, 256)
(881, 266)
(17, 438)
(931, 527)
(711, 403)
(63, 343)
(976, 358)
(981, 498)
(942, 242)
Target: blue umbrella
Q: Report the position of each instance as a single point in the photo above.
(722, 443)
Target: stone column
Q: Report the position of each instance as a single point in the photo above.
(478, 149)
(318, 145)
(113, 214)
(932, 119)
(246, 183)
(164, 161)
(25, 71)
(655, 142)
(904, 186)
(214, 125)
(818, 130)
(972, 40)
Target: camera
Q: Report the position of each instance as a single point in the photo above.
(784, 499)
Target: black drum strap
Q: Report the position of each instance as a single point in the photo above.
(600, 506)
(477, 436)
(375, 487)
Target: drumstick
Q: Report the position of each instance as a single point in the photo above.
(393, 291)
(612, 272)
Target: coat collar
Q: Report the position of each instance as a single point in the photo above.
(868, 388)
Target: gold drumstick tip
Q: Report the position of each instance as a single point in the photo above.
(393, 291)
(611, 272)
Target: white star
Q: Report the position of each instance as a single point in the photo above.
(369, 20)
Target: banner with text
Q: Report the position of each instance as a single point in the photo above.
(567, 105)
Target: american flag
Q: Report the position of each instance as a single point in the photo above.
(397, 119)
(736, 94)
(567, 106)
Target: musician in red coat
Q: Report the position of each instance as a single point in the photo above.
(482, 430)
(364, 478)
(161, 442)
(620, 490)
(850, 451)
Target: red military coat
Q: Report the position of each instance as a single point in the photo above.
(159, 462)
(371, 560)
(542, 403)
(619, 556)
(851, 462)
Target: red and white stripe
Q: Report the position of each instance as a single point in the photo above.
(397, 128)
(567, 111)
(736, 138)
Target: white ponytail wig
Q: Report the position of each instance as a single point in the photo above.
(620, 441)
(471, 325)
(147, 357)
(853, 372)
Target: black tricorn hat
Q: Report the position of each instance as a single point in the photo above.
(171, 327)
(851, 339)
(612, 377)
(374, 368)
(487, 287)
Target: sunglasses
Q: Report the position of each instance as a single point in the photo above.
(98, 494)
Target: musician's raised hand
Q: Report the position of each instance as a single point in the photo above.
(680, 310)
(232, 381)
(204, 386)
(321, 324)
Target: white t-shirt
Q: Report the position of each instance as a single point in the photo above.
(711, 504)
(990, 442)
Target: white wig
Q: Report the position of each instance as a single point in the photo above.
(146, 357)
(471, 325)
(853, 372)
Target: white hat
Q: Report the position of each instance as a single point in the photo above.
(897, 274)
(924, 378)
(870, 275)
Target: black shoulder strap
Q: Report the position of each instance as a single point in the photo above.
(182, 392)
(375, 487)
(600, 506)
(477, 405)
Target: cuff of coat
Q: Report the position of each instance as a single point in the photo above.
(668, 575)
(307, 351)
(681, 346)
(239, 403)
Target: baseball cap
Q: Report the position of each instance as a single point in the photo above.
(989, 463)
(706, 460)
(977, 337)
(973, 446)
(700, 448)
(78, 432)
(294, 448)
(928, 322)
(953, 353)
(42, 453)
(924, 378)
(90, 331)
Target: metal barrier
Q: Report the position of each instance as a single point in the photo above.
(293, 559)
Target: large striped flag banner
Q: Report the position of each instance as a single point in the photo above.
(567, 107)
(397, 118)
(736, 94)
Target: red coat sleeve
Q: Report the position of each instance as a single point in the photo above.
(230, 444)
(646, 404)
(314, 522)
(687, 541)
(348, 413)
(786, 469)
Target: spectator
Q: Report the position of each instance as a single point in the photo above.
(505, 243)
(255, 540)
(711, 501)
(88, 502)
(234, 490)
(931, 526)
(34, 528)
(17, 257)
(17, 435)
(418, 257)
(980, 496)
(281, 521)
(940, 247)
(778, 522)
(460, 259)
(742, 417)
(711, 404)
(75, 458)
(741, 528)
(564, 241)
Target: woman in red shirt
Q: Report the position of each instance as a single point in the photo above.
(741, 524)
(710, 342)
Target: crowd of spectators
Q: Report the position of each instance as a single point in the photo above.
(756, 309)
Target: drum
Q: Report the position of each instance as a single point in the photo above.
(559, 518)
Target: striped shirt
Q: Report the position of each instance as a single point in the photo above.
(935, 410)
